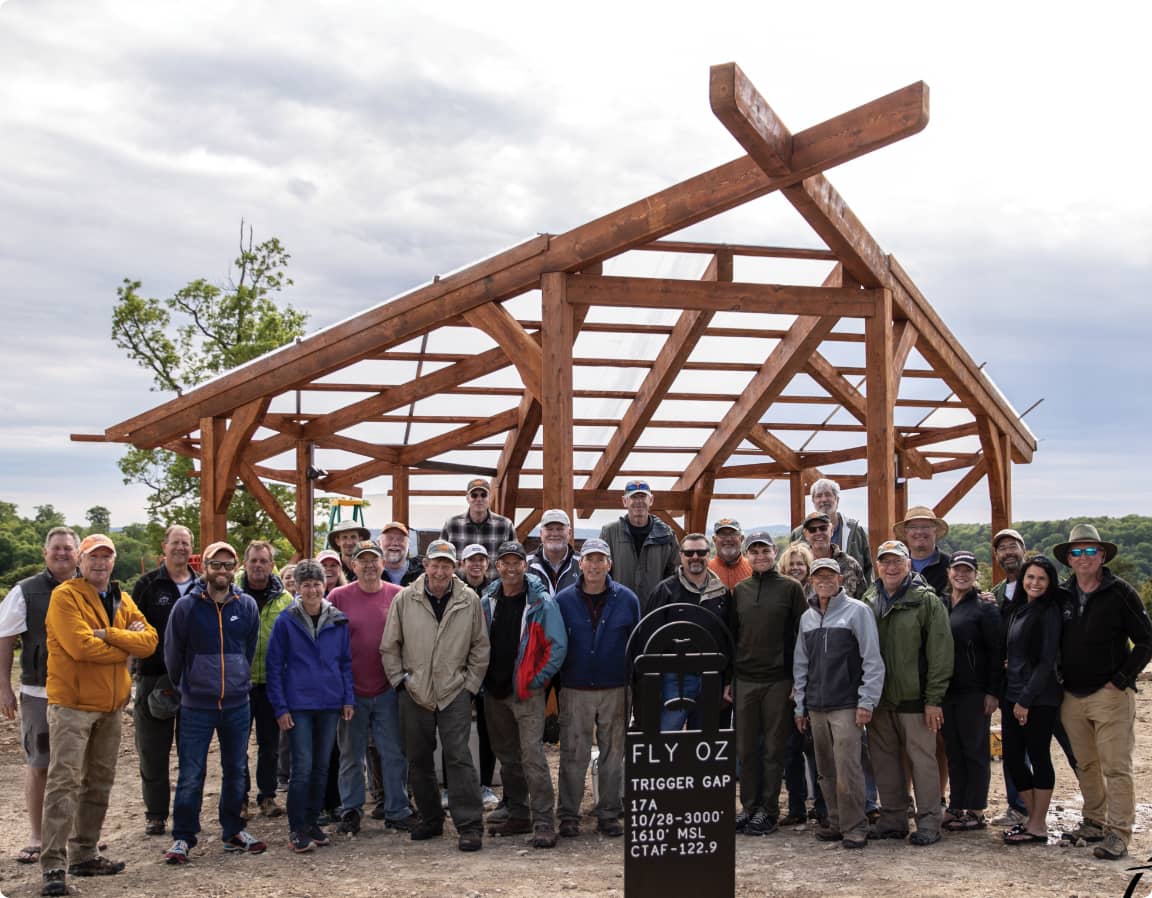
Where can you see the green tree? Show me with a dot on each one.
(203, 330)
(99, 519)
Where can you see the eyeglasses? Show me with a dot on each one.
(1090, 551)
(694, 553)
(222, 565)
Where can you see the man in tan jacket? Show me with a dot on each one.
(435, 653)
(93, 628)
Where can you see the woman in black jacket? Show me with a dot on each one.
(1032, 695)
(972, 695)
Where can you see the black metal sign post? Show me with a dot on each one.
(679, 787)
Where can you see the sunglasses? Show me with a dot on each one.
(222, 565)
(694, 553)
(1090, 551)
(819, 528)
(477, 494)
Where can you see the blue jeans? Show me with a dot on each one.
(672, 720)
(379, 715)
(313, 734)
(194, 736)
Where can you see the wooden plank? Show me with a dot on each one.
(776, 447)
(962, 488)
(696, 518)
(213, 504)
(401, 507)
(997, 462)
(272, 508)
(498, 323)
(245, 422)
(666, 517)
(778, 369)
(768, 299)
(933, 435)
(516, 447)
(755, 470)
(519, 269)
(797, 498)
(903, 342)
(556, 400)
(304, 499)
(530, 520)
(672, 500)
(881, 435)
(360, 447)
(738, 249)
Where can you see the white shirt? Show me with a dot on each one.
(13, 622)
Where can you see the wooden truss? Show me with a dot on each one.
(755, 375)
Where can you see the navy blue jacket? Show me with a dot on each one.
(208, 648)
(597, 658)
(310, 669)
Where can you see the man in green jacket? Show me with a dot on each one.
(916, 644)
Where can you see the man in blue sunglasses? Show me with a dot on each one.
(1102, 613)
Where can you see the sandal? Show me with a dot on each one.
(29, 855)
(1023, 837)
(966, 822)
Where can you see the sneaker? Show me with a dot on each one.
(760, 824)
(177, 854)
(349, 822)
(299, 842)
(155, 826)
(470, 841)
(1088, 830)
(510, 827)
(742, 819)
(404, 824)
(610, 827)
(269, 807)
(853, 844)
(54, 883)
(1112, 848)
(422, 831)
(96, 866)
(924, 837)
(489, 798)
(544, 836)
(793, 820)
(1010, 817)
(246, 842)
(317, 835)
(569, 829)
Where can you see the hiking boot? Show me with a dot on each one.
(610, 827)
(569, 829)
(54, 883)
(470, 841)
(349, 823)
(500, 814)
(379, 812)
(1112, 848)
(510, 827)
(424, 830)
(1088, 830)
(300, 843)
(96, 866)
(760, 824)
(177, 854)
(269, 807)
(924, 837)
(155, 826)
(543, 836)
(793, 820)
(855, 843)
(317, 835)
(404, 824)
(828, 834)
(1010, 817)
(875, 832)
(245, 842)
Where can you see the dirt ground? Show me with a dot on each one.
(383, 862)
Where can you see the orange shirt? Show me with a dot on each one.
(731, 575)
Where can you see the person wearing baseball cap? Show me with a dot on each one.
(916, 644)
(838, 677)
(847, 534)
(599, 615)
(644, 550)
(399, 567)
(817, 530)
(555, 562)
(435, 653)
(92, 628)
(479, 524)
(729, 563)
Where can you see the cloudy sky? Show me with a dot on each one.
(384, 143)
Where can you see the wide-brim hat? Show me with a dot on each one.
(345, 527)
(1084, 533)
(921, 513)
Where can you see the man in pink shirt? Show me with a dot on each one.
(366, 602)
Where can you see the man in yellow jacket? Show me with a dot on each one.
(93, 628)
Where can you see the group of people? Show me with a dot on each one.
(856, 674)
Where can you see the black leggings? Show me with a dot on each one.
(1034, 739)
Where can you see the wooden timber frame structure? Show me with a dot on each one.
(263, 421)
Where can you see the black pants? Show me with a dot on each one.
(154, 739)
(267, 744)
(966, 740)
(1034, 739)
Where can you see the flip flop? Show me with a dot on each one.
(29, 855)
(1025, 838)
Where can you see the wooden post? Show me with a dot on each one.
(556, 403)
(400, 495)
(798, 496)
(305, 495)
(213, 506)
(696, 517)
(881, 400)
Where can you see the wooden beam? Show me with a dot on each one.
(516, 447)
(498, 323)
(755, 470)
(401, 508)
(881, 435)
(759, 436)
(903, 342)
(666, 517)
(213, 504)
(360, 447)
(530, 520)
(997, 462)
(768, 299)
(272, 508)
(556, 400)
(304, 499)
(797, 498)
(961, 489)
(696, 518)
(933, 435)
(779, 368)
(739, 249)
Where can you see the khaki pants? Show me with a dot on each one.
(85, 746)
(584, 714)
(515, 730)
(892, 737)
(837, 741)
(1102, 730)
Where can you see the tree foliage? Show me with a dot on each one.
(199, 332)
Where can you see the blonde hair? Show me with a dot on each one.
(796, 548)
